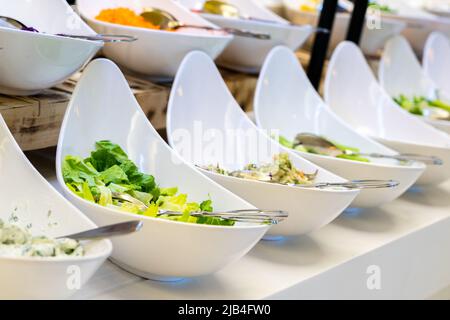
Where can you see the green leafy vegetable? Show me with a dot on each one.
(109, 171)
(418, 105)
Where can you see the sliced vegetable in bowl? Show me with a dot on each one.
(431, 108)
(281, 171)
(108, 174)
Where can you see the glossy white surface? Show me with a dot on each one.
(405, 239)
(436, 61)
(286, 101)
(373, 38)
(27, 199)
(245, 54)
(354, 94)
(103, 107)
(400, 72)
(156, 53)
(203, 117)
(419, 23)
(31, 62)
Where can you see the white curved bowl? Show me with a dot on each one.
(400, 72)
(156, 53)
(372, 41)
(436, 60)
(354, 94)
(245, 54)
(30, 198)
(299, 108)
(103, 107)
(203, 121)
(31, 62)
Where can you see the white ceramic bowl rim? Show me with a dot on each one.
(280, 185)
(47, 36)
(248, 22)
(156, 31)
(373, 163)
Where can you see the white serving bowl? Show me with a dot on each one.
(27, 199)
(400, 72)
(31, 62)
(103, 107)
(373, 38)
(354, 94)
(245, 54)
(419, 23)
(436, 61)
(206, 126)
(156, 53)
(286, 102)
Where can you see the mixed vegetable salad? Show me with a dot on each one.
(109, 178)
(337, 151)
(281, 171)
(419, 105)
(18, 242)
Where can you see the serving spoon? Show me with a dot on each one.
(114, 230)
(270, 217)
(12, 23)
(313, 140)
(166, 21)
(229, 10)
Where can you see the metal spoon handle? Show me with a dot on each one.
(247, 34)
(107, 38)
(114, 230)
(233, 31)
(409, 157)
(355, 184)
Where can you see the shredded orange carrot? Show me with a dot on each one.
(125, 16)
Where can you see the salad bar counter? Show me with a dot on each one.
(398, 251)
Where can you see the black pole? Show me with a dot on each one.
(321, 42)
(357, 21)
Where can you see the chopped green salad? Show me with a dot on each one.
(109, 178)
(435, 109)
(336, 150)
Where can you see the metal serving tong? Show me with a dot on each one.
(270, 217)
(314, 140)
(166, 21)
(114, 230)
(16, 24)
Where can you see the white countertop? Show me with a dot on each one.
(406, 242)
